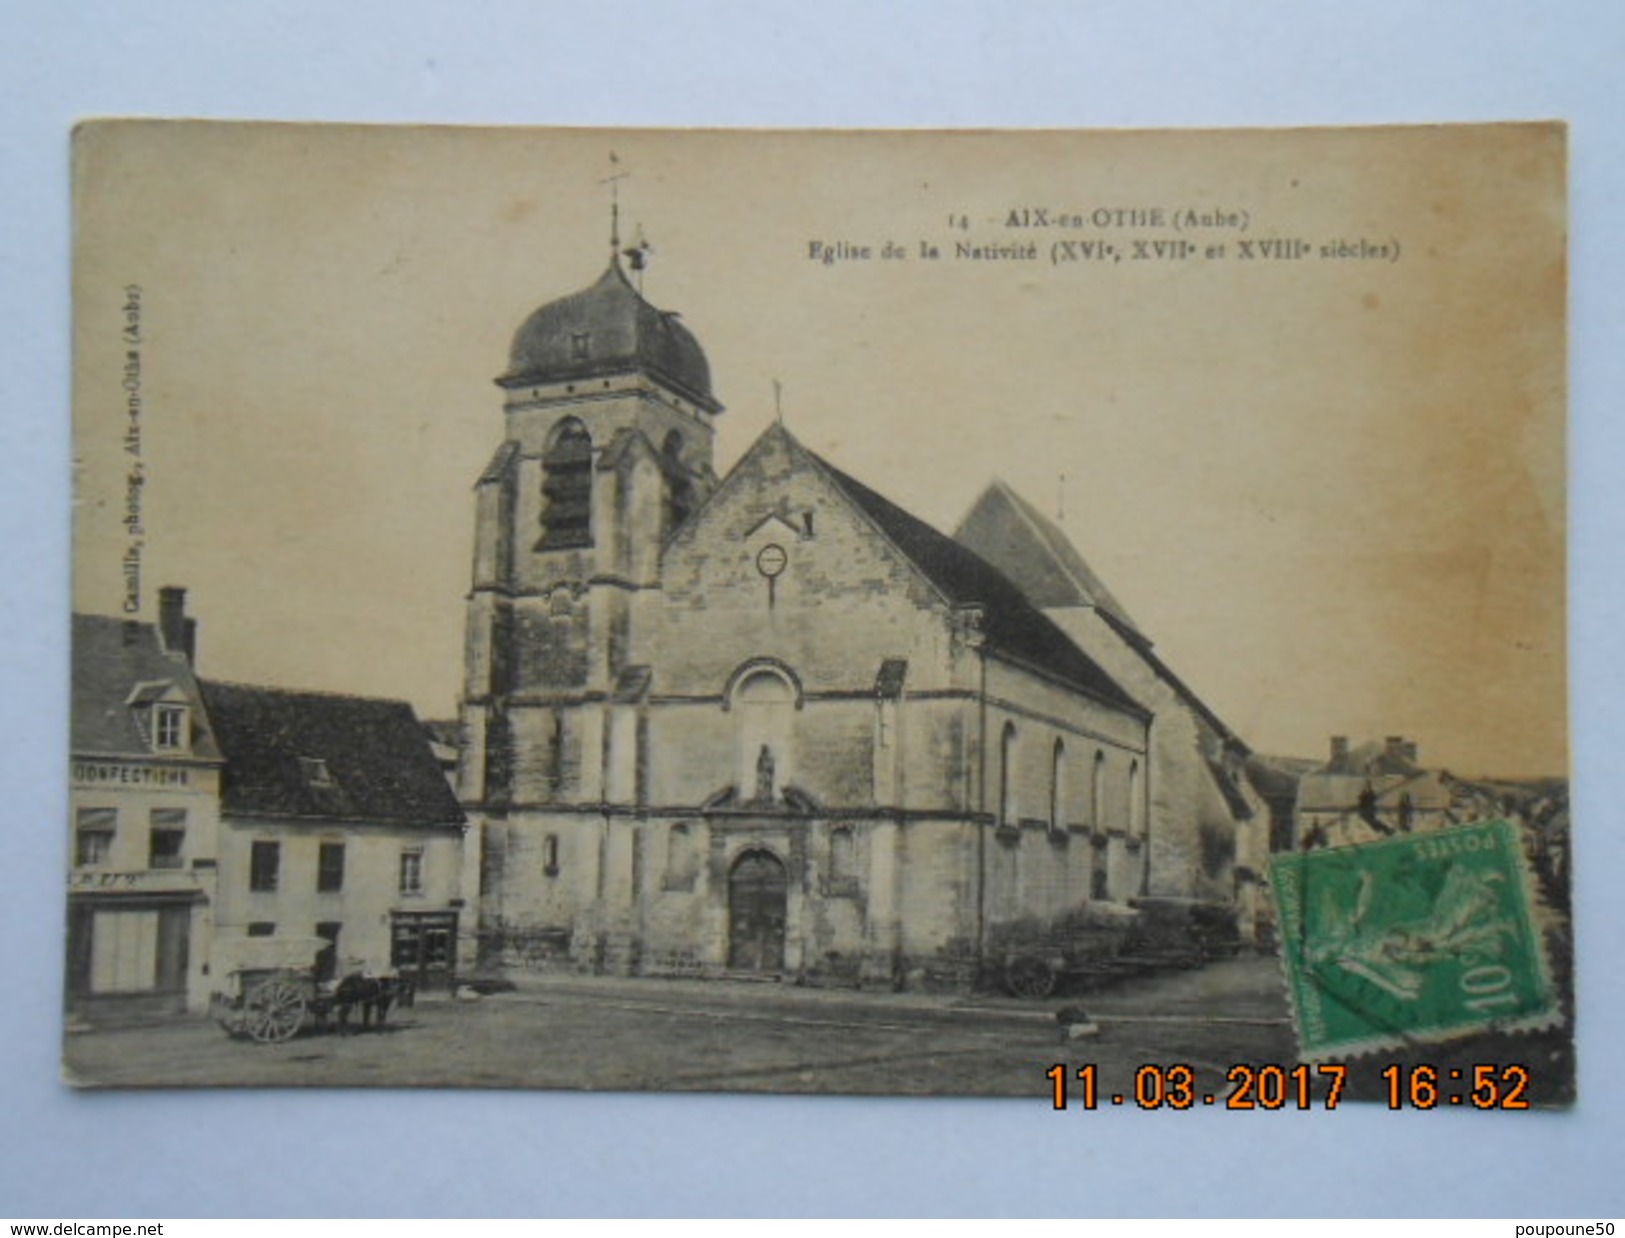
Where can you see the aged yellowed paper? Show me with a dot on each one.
(818, 611)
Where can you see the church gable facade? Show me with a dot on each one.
(773, 724)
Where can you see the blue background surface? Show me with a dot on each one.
(1147, 63)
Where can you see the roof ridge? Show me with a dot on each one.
(325, 693)
(1065, 550)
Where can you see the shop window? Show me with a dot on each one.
(93, 836)
(412, 871)
(330, 868)
(264, 866)
(167, 841)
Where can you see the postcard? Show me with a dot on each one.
(1066, 615)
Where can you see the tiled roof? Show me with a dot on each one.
(1276, 778)
(1055, 574)
(375, 762)
(1013, 625)
(112, 659)
(1163, 671)
(1042, 560)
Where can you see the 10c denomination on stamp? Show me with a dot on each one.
(1414, 939)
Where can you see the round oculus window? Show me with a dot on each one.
(771, 560)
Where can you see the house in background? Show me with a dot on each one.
(336, 821)
(1377, 789)
(144, 799)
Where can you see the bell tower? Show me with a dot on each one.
(609, 428)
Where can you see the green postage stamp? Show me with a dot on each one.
(1414, 939)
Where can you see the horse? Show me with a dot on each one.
(373, 994)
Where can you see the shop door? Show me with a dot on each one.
(423, 947)
(756, 908)
(174, 934)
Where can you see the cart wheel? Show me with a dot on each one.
(274, 1011)
(1030, 978)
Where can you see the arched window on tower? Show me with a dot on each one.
(679, 485)
(1057, 787)
(567, 487)
(1007, 790)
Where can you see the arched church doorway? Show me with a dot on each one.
(757, 891)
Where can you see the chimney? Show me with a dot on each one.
(1340, 749)
(179, 633)
(1394, 747)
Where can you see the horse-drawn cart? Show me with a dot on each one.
(1098, 943)
(269, 990)
(267, 985)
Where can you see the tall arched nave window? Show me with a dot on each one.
(1057, 787)
(1097, 792)
(1007, 790)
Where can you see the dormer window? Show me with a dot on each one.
(169, 727)
(580, 345)
(315, 772)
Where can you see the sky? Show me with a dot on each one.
(1329, 488)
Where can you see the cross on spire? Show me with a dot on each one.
(613, 181)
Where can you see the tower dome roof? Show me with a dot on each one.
(608, 329)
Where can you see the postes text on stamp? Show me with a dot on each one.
(1414, 939)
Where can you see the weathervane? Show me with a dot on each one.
(637, 255)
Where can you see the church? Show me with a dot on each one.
(772, 723)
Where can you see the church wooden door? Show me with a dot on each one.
(756, 906)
